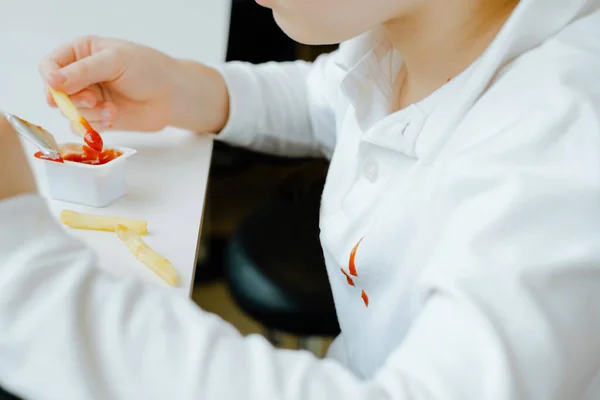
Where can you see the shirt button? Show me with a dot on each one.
(371, 171)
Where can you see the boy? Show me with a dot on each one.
(462, 208)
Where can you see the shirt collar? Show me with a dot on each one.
(368, 80)
(371, 66)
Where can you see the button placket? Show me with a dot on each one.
(398, 132)
(371, 171)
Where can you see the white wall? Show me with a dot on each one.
(29, 29)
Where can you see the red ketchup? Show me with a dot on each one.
(55, 158)
(83, 154)
(91, 138)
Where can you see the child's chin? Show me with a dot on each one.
(306, 33)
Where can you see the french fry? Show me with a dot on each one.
(157, 263)
(65, 105)
(78, 122)
(102, 223)
(78, 128)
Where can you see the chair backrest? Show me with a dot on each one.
(195, 29)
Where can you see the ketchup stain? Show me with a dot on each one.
(365, 298)
(352, 268)
(351, 265)
(349, 280)
(91, 138)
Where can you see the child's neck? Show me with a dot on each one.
(439, 40)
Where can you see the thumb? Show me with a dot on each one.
(106, 65)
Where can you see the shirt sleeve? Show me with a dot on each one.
(285, 109)
(510, 306)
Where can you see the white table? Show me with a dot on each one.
(167, 178)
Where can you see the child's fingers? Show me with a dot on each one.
(103, 115)
(104, 66)
(87, 98)
(79, 64)
(50, 99)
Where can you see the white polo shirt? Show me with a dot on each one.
(372, 155)
(461, 237)
(462, 194)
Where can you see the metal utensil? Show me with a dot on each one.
(37, 135)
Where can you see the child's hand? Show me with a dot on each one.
(126, 86)
(116, 84)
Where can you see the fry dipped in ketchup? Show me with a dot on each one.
(79, 123)
(91, 137)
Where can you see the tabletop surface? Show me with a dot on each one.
(166, 180)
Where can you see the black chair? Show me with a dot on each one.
(7, 396)
(275, 267)
(253, 37)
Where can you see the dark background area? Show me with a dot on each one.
(241, 181)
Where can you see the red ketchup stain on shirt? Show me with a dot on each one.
(84, 154)
(349, 280)
(352, 269)
(351, 265)
(365, 298)
(91, 138)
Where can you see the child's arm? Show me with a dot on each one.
(279, 108)
(282, 108)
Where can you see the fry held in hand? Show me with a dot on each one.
(157, 263)
(78, 122)
(102, 223)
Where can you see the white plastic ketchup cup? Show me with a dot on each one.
(90, 185)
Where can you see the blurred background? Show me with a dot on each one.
(260, 264)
